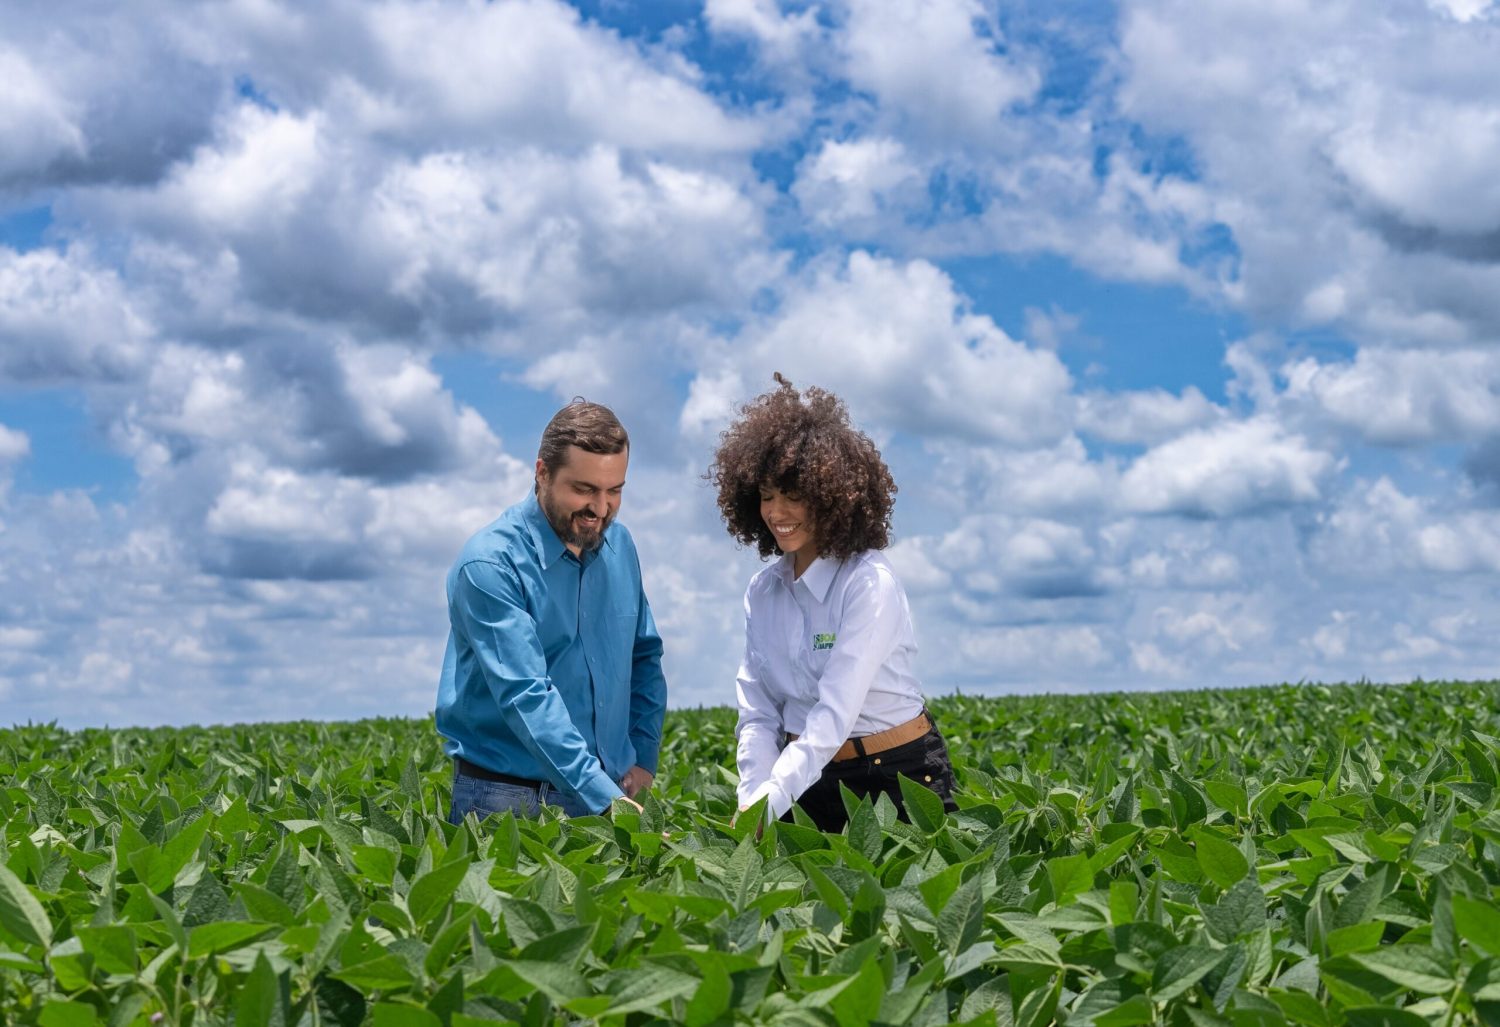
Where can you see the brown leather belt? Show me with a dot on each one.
(880, 741)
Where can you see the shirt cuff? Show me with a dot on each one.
(598, 792)
(777, 801)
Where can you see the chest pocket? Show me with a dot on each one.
(813, 659)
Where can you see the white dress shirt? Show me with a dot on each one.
(828, 656)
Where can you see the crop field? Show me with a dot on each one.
(1287, 855)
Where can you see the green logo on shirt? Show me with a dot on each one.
(822, 642)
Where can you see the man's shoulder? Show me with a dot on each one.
(505, 540)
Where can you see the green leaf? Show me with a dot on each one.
(1069, 876)
(225, 936)
(21, 915)
(261, 1001)
(1410, 966)
(1135, 1010)
(962, 919)
(58, 1013)
(1355, 938)
(1222, 862)
(113, 947)
(1179, 969)
(392, 1014)
(647, 988)
(559, 983)
(382, 973)
(565, 947)
(1478, 923)
(922, 805)
(712, 998)
(859, 1002)
(1039, 1006)
(1241, 910)
(1228, 796)
(1124, 901)
(430, 893)
(208, 903)
(1383, 1016)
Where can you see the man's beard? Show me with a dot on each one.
(567, 525)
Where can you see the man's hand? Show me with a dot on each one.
(636, 781)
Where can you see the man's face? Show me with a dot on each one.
(582, 496)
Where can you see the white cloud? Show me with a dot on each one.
(1378, 529)
(39, 125)
(850, 184)
(520, 248)
(1053, 480)
(1404, 397)
(531, 69)
(937, 66)
(1144, 417)
(782, 37)
(63, 317)
(1345, 146)
(1463, 10)
(14, 445)
(1234, 468)
(897, 342)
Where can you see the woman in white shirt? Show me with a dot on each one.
(827, 691)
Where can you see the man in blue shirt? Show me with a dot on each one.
(552, 689)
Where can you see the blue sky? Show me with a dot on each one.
(1177, 324)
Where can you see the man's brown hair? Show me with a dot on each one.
(589, 426)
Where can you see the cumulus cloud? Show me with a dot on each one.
(782, 36)
(1144, 417)
(65, 318)
(1379, 529)
(938, 66)
(118, 104)
(532, 69)
(1235, 468)
(521, 247)
(896, 340)
(14, 445)
(39, 120)
(1378, 128)
(849, 185)
(1402, 397)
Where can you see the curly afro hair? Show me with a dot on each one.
(803, 445)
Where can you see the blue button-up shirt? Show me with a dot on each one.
(553, 669)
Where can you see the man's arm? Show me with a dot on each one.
(488, 608)
(648, 692)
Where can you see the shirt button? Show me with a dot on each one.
(877, 760)
(927, 778)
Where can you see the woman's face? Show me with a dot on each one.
(791, 524)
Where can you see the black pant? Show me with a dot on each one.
(924, 760)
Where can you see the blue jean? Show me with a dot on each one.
(476, 795)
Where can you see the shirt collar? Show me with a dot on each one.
(547, 543)
(816, 579)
